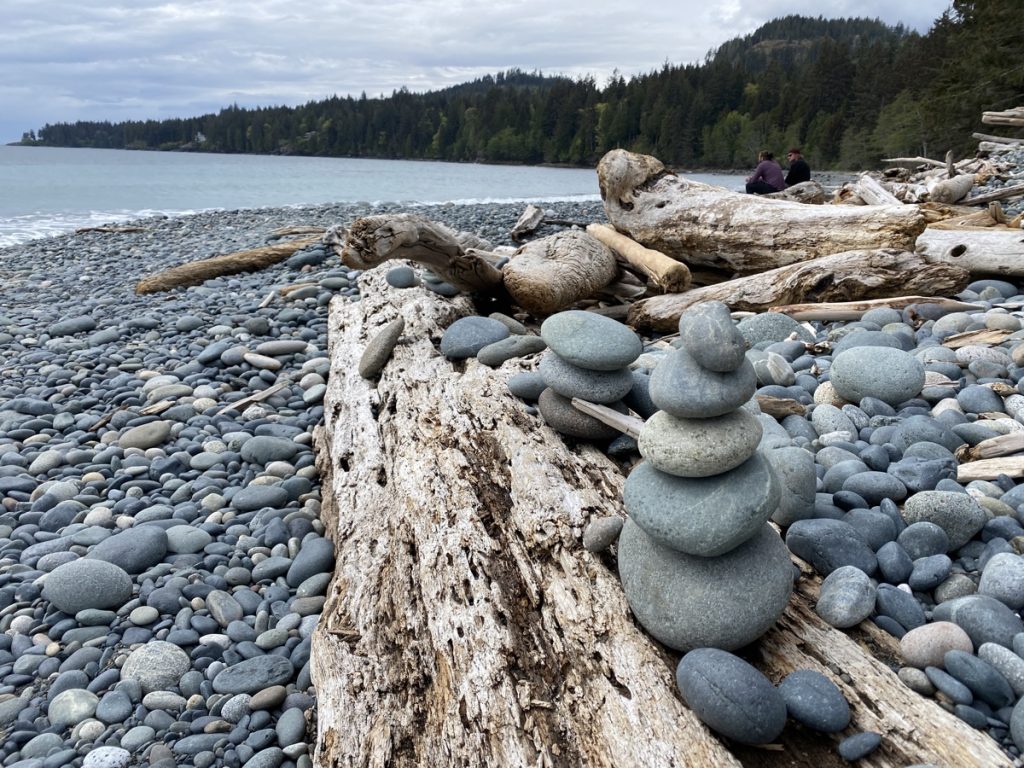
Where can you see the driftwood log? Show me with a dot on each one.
(870, 190)
(667, 274)
(846, 276)
(467, 626)
(808, 192)
(196, 272)
(982, 251)
(705, 225)
(854, 310)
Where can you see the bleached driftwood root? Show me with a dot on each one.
(839, 277)
(667, 274)
(196, 272)
(709, 226)
(467, 626)
(982, 251)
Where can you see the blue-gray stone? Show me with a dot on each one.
(706, 516)
(114, 707)
(517, 345)
(921, 429)
(875, 527)
(683, 388)
(771, 327)
(379, 348)
(874, 486)
(134, 549)
(591, 341)
(468, 335)
(687, 601)
(858, 746)
(890, 375)
(72, 325)
(984, 619)
(316, 555)
(846, 597)
(899, 606)
(402, 277)
(829, 544)
(730, 696)
(263, 449)
(639, 396)
(527, 386)
(978, 399)
(865, 338)
(921, 474)
(253, 675)
(794, 467)
(814, 700)
(711, 337)
(949, 685)
(571, 381)
(560, 414)
(1003, 579)
(982, 678)
(291, 727)
(923, 539)
(929, 572)
(254, 497)
(84, 583)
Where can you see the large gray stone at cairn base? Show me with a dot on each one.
(711, 337)
(705, 516)
(84, 583)
(699, 447)
(683, 388)
(590, 340)
(687, 602)
(890, 375)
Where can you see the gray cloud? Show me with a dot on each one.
(117, 60)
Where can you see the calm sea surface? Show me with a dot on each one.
(47, 191)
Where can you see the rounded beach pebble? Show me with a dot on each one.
(890, 375)
(378, 350)
(85, 583)
(570, 380)
(730, 696)
(468, 335)
(711, 337)
(699, 447)
(687, 601)
(561, 416)
(591, 341)
(846, 597)
(683, 388)
(926, 646)
(814, 700)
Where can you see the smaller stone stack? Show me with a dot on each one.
(588, 357)
(699, 563)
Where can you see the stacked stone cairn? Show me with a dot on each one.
(700, 565)
(588, 358)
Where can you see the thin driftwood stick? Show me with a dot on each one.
(245, 402)
(372, 240)
(996, 139)
(915, 160)
(854, 310)
(627, 425)
(1000, 194)
(990, 469)
(196, 272)
(985, 336)
(994, 447)
(668, 274)
(277, 234)
(846, 276)
(110, 229)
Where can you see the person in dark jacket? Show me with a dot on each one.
(767, 177)
(799, 170)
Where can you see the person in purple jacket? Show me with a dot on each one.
(767, 177)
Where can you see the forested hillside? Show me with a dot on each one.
(849, 91)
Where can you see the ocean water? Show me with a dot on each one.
(47, 191)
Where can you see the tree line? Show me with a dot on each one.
(849, 91)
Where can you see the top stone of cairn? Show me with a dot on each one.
(712, 338)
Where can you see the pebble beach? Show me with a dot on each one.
(162, 558)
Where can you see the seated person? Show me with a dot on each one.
(799, 170)
(767, 177)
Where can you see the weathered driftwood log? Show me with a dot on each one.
(196, 272)
(375, 239)
(552, 273)
(807, 192)
(838, 277)
(710, 226)
(987, 137)
(528, 222)
(983, 251)
(467, 626)
(854, 310)
(667, 274)
(1014, 117)
(868, 189)
(1017, 190)
(951, 190)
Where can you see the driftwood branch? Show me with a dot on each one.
(709, 226)
(996, 139)
(466, 624)
(990, 469)
(1014, 117)
(528, 222)
(373, 240)
(196, 272)
(868, 189)
(854, 310)
(667, 274)
(111, 229)
(986, 251)
(847, 276)
(1017, 190)
(994, 447)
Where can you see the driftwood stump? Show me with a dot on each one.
(467, 626)
(704, 225)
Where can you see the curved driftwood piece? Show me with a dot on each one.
(529, 220)
(807, 192)
(667, 274)
(854, 310)
(372, 240)
(196, 272)
(982, 251)
(467, 626)
(846, 276)
(951, 190)
(554, 272)
(705, 225)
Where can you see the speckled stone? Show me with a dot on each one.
(890, 375)
(699, 447)
(378, 350)
(959, 515)
(814, 700)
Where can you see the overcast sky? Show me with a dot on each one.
(67, 60)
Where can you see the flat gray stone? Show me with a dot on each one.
(814, 700)
(315, 556)
(730, 696)
(707, 516)
(527, 385)
(846, 597)
(687, 601)
(888, 374)
(601, 533)
(468, 335)
(794, 467)
(514, 346)
(830, 544)
(134, 549)
(699, 447)
(69, 708)
(591, 341)
(1003, 579)
(85, 583)
(253, 675)
(683, 388)
(711, 337)
(145, 435)
(378, 350)
(771, 326)
(571, 381)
